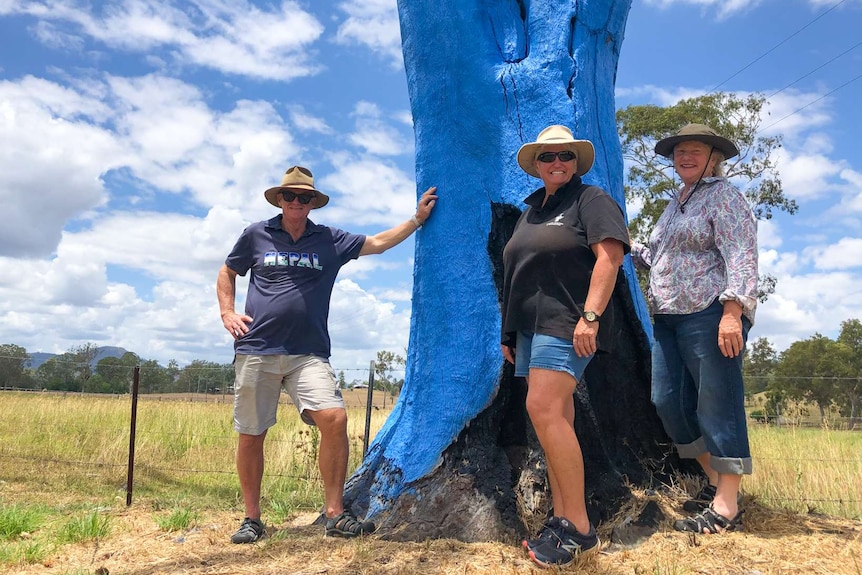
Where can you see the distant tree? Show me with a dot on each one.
(342, 382)
(850, 389)
(651, 181)
(155, 378)
(117, 373)
(14, 361)
(85, 358)
(811, 369)
(758, 365)
(202, 376)
(385, 366)
(59, 373)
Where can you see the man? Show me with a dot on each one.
(282, 340)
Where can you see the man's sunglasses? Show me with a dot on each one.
(548, 157)
(290, 196)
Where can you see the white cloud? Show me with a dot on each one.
(374, 24)
(374, 135)
(768, 235)
(306, 122)
(53, 153)
(806, 177)
(360, 324)
(805, 304)
(724, 8)
(371, 192)
(231, 37)
(846, 253)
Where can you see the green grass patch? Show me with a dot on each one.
(89, 526)
(18, 520)
(177, 520)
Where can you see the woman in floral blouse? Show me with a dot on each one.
(702, 257)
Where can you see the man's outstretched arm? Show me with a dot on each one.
(379, 243)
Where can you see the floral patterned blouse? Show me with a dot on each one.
(705, 250)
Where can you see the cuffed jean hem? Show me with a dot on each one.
(731, 465)
(692, 450)
(728, 465)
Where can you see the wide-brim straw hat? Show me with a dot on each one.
(557, 135)
(700, 133)
(299, 179)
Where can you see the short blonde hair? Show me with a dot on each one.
(718, 169)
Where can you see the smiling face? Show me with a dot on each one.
(295, 211)
(692, 160)
(556, 173)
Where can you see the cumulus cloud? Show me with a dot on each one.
(377, 136)
(232, 37)
(373, 24)
(723, 8)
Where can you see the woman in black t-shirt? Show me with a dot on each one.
(560, 268)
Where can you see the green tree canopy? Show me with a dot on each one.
(59, 373)
(811, 370)
(385, 368)
(758, 365)
(850, 389)
(14, 361)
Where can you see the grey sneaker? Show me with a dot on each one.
(564, 546)
(544, 534)
(250, 531)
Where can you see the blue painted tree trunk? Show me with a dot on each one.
(457, 456)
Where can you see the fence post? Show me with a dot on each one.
(136, 380)
(368, 408)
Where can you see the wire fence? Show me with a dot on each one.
(218, 449)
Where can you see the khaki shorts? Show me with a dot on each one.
(308, 379)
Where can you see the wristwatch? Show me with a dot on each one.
(591, 316)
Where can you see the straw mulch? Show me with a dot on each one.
(773, 542)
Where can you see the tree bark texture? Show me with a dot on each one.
(458, 457)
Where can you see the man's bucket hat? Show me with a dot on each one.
(299, 179)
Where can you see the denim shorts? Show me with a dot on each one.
(547, 352)
(308, 379)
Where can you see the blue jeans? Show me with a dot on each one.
(547, 352)
(698, 392)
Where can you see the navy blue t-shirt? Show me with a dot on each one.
(290, 286)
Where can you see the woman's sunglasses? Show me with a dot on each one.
(548, 157)
(290, 196)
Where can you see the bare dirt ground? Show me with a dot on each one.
(773, 543)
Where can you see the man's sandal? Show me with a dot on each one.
(709, 521)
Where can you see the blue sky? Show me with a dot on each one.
(137, 138)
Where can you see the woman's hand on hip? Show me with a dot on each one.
(584, 338)
(730, 340)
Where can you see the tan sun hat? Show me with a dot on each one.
(299, 179)
(556, 135)
(699, 133)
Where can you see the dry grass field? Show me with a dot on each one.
(65, 457)
(774, 543)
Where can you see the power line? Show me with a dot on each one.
(814, 70)
(810, 103)
(776, 46)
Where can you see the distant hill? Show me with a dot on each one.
(38, 358)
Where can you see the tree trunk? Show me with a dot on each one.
(458, 457)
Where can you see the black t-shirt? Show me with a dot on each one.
(548, 261)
